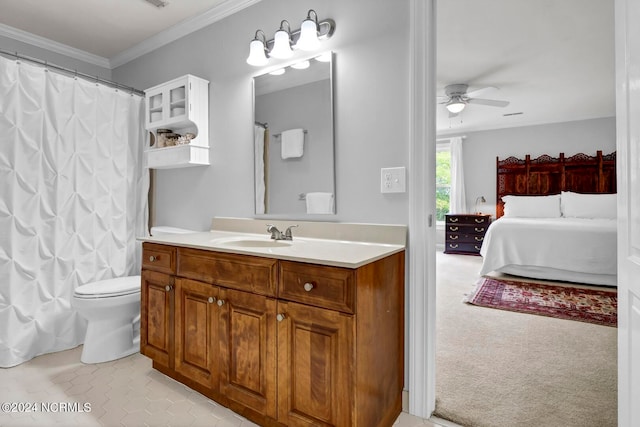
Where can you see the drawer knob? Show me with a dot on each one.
(479, 220)
(453, 237)
(220, 302)
(477, 248)
(453, 246)
(453, 219)
(153, 258)
(280, 317)
(168, 288)
(211, 300)
(453, 228)
(479, 239)
(308, 286)
(479, 229)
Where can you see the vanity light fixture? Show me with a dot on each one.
(302, 65)
(278, 72)
(325, 57)
(307, 38)
(282, 42)
(258, 50)
(309, 30)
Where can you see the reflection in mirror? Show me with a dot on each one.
(294, 152)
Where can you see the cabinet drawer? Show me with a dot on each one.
(467, 229)
(243, 272)
(470, 248)
(160, 258)
(464, 238)
(321, 286)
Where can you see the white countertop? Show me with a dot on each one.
(338, 253)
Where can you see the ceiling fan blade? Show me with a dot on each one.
(480, 91)
(488, 102)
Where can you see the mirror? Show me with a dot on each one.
(293, 139)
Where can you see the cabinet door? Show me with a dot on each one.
(315, 366)
(196, 332)
(248, 350)
(156, 317)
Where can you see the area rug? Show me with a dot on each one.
(562, 302)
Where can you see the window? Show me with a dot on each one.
(443, 180)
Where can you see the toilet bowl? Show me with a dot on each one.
(112, 310)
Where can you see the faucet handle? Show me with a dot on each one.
(287, 233)
(275, 233)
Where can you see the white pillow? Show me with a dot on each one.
(532, 206)
(577, 205)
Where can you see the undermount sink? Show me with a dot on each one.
(252, 242)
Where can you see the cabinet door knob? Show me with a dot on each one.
(220, 302)
(168, 288)
(280, 317)
(211, 300)
(308, 286)
(153, 258)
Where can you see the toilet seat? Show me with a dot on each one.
(109, 288)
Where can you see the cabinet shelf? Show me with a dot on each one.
(181, 105)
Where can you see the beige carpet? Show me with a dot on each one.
(498, 368)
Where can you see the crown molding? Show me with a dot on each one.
(181, 29)
(53, 46)
(188, 26)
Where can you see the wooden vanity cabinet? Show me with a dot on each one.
(282, 343)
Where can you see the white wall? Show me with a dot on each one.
(481, 149)
(371, 96)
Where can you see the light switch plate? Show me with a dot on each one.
(393, 180)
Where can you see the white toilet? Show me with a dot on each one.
(112, 310)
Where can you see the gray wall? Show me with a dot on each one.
(371, 108)
(54, 58)
(313, 171)
(481, 148)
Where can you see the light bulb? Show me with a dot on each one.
(308, 36)
(281, 45)
(301, 65)
(257, 56)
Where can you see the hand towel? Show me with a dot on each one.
(292, 143)
(319, 203)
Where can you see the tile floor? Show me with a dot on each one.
(125, 392)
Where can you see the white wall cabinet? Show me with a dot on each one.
(181, 105)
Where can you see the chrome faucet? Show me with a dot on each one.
(279, 235)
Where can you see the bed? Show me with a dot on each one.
(556, 219)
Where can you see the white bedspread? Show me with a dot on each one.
(560, 245)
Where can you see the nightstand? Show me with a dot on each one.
(464, 233)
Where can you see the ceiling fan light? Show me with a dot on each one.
(455, 106)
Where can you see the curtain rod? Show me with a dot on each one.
(448, 138)
(74, 73)
(264, 125)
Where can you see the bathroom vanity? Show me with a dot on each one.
(285, 333)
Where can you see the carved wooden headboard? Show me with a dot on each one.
(549, 175)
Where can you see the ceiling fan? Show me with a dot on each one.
(457, 98)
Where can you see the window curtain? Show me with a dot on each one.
(73, 200)
(457, 197)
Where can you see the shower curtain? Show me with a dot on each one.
(72, 201)
(259, 133)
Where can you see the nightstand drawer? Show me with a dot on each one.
(464, 233)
